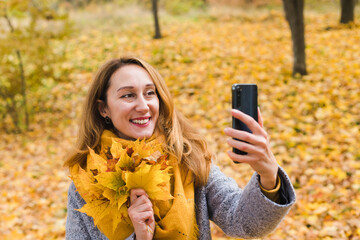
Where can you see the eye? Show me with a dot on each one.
(150, 92)
(129, 95)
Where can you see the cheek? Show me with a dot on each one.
(119, 110)
(156, 107)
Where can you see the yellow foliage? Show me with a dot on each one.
(94, 161)
(151, 179)
(106, 184)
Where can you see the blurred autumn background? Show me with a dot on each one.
(308, 94)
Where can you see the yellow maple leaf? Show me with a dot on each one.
(116, 149)
(118, 215)
(84, 182)
(115, 189)
(112, 180)
(124, 161)
(96, 209)
(118, 198)
(152, 179)
(148, 151)
(153, 158)
(116, 224)
(101, 211)
(95, 161)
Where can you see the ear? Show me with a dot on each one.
(102, 108)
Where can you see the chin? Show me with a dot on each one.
(146, 136)
(142, 136)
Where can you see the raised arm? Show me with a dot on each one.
(247, 212)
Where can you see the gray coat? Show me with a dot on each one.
(245, 213)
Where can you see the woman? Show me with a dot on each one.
(129, 100)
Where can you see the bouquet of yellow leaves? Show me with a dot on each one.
(106, 182)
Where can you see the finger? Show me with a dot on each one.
(260, 119)
(238, 134)
(146, 216)
(142, 206)
(151, 219)
(244, 146)
(241, 158)
(136, 193)
(246, 137)
(142, 217)
(248, 121)
(142, 200)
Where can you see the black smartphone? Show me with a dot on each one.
(245, 99)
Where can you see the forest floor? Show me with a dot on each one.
(313, 121)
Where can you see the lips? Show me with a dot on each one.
(141, 121)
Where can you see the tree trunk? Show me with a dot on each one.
(294, 12)
(156, 19)
(23, 88)
(22, 77)
(347, 11)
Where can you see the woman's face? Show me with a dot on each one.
(132, 103)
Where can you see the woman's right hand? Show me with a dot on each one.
(141, 214)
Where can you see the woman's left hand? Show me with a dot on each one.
(259, 156)
(141, 214)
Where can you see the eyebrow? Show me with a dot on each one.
(131, 87)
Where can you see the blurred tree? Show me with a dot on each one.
(28, 57)
(294, 12)
(156, 18)
(347, 11)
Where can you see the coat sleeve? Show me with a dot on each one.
(246, 213)
(79, 226)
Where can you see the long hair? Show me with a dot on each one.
(182, 140)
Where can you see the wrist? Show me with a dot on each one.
(269, 182)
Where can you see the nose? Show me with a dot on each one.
(142, 105)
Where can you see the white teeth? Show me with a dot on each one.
(141, 121)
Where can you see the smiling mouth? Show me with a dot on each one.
(141, 121)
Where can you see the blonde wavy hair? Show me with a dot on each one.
(182, 140)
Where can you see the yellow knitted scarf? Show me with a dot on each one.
(177, 216)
